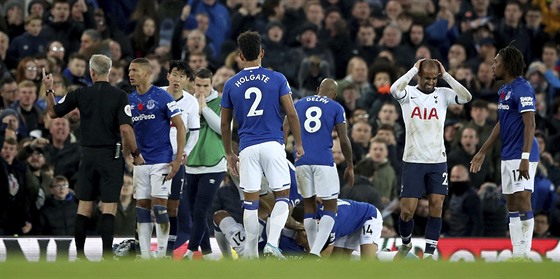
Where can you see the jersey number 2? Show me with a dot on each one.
(253, 111)
(312, 116)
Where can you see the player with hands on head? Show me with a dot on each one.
(152, 110)
(424, 170)
(255, 96)
(520, 151)
(105, 119)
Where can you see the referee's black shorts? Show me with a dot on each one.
(100, 175)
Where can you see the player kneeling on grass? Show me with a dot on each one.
(357, 224)
(293, 238)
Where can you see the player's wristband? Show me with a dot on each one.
(525, 155)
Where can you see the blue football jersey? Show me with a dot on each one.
(515, 98)
(351, 216)
(318, 116)
(254, 95)
(151, 115)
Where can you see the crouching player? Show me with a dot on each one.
(357, 225)
(230, 231)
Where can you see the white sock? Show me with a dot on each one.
(162, 234)
(233, 232)
(277, 220)
(325, 227)
(310, 225)
(386, 256)
(145, 238)
(223, 244)
(189, 254)
(527, 235)
(251, 225)
(516, 236)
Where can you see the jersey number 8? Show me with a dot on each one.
(312, 122)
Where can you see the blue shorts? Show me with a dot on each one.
(419, 179)
(177, 184)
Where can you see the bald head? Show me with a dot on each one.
(459, 173)
(328, 87)
(429, 65)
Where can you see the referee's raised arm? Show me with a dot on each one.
(48, 82)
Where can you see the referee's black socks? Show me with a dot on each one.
(80, 233)
(107, 233)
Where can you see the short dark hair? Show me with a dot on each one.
(478, 103)
(386, 127)
(141, 61)
(181, 66)
(78, 56)
(250, 45)
(427, 63)
(6, 80)
(512, 59)
(203, 73)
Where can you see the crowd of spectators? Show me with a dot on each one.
(364, 44)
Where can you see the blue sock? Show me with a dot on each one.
(405, 230)
(433, 229)
(172, 235)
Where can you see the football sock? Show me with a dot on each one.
(162, 229)
(278, 218)
(223, 243)
(107, 232)
(172, 235)
(527, 225)
(515, 234)
(80, 229)
(189, 254)
(144, 229)
(251, 225)
(433, 229)
(405, 230)
(232, 231)
(310, 225)
(325, 227)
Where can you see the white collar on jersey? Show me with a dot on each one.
(251, 68)
(213, 95)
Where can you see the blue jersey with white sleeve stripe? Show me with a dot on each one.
(151, 115)
(254, 95)
(515, 98)
(318, 115)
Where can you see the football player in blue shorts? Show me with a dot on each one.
(424, 170)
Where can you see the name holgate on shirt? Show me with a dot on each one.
(262, 77)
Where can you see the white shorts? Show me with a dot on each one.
(316, 180)
(510, 176)
(149, 181)
(268, 158)
(369, 233)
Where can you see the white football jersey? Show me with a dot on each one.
(189, 113)
(424, 119)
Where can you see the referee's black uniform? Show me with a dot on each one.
(103, 108)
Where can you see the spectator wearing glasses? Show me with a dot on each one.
(58, 213)
(26, 70)
(56, 50)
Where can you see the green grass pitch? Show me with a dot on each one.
(275, 269)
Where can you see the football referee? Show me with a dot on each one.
(104, 118)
